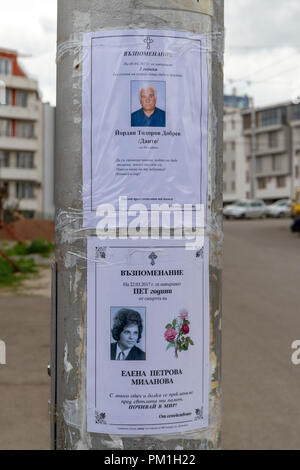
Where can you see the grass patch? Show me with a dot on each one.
(41, 247)
(8, 274)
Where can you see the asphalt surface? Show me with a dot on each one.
(261, 318)
(24, 382)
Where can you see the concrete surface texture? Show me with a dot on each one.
(261, 392)
(261, 300)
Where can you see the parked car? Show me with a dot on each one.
(245, 209)
(281, 208)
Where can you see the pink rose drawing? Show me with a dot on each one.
(177, 331)
(170, 334)
(185, 329)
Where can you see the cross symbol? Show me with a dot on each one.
(148, 41)
(153, 257)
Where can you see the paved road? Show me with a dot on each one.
(261, 307)
(24, 383)
(261, 387)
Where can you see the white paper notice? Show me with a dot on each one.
(145, 117)
(148, 337)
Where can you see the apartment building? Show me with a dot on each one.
(294, 120)
(273, 149)
(236, 178)
(21, 137)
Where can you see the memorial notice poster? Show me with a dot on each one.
(145, 117)
(148, 337)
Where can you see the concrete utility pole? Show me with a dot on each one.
(68, 364)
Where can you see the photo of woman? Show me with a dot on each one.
(127, 330)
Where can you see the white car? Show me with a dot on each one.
(245, 209)
(281, 208)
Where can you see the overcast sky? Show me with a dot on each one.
(262, 55)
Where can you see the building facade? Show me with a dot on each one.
(273, 150)
(261, 157)
(49, 121)
(236, 178)
(21, 138)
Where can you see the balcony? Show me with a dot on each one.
(266, 150)
(20, 174)
(272, 173)
(19, 83)
(19, 144)
(31, 113)
(261, 129)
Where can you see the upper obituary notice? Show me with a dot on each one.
(145, 117)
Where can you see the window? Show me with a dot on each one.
(6, 96)
(247, 121)
(25, 130)
(297, 171)
(5, 67)
(262, 183)
(233, 125)
(247, 177)
(233, 166)
(296, 112)
(25, 190)
(280, 182)
(270, 117)
(224, 187)
(233, 186)
(5, 128)
(21, 99)
(259, 166)
(273, 139)
(233, 146)
(4, 159)
(276, 163)
(25, 160)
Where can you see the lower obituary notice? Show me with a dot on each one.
(147, 337)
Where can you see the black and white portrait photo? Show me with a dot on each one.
(128, 334)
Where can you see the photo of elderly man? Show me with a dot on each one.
(149, 115)
(127, 331)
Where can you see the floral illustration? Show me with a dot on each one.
(177, 331)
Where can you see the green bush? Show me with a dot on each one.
(41, 246)
(20, 248)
